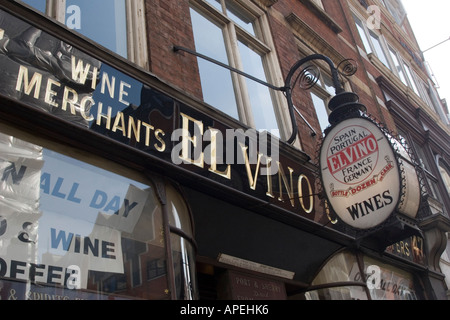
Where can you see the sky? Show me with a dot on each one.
(430, 22)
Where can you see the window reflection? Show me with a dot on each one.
(260, 99)
(342, 279)
(102, 21)
(217, 86)
(72, 230)
(105, 24)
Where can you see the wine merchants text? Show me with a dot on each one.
(214, 150)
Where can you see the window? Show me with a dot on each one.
(341, 268)
(371, 41)
(431, 182)
(396, 9)
(403, 71)
(321, 95)
(238, 36)
(363, 35)
(379, 51)
(75, 226)
(106, 22)
(411, 79)
(342, 278)
(444, 169)
(386, 282)
(398, 69)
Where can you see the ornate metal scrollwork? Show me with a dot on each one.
(347, 67)
(308, 77)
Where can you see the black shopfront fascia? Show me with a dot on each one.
(285, 227)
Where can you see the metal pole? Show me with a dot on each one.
(436, 45)
(287, 89)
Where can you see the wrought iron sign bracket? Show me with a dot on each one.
(307, 78)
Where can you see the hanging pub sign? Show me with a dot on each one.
(367, 175)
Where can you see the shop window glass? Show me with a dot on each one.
(184, 268)
(72, 229)
(386, 282)
(343, 267)
(183, 253)
(178, 215)
(337, 293)
(342, 279)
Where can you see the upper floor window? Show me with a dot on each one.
(321, 95)
(108, 23)
(426, 166)
(444, 170)
(398, 69)
(372, 42)
(396, 9)
(238, 36)
(410, 78)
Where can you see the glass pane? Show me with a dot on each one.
(72, 230)
(101, 21)
(37, 4)
(328, 85)
(239, 18)
(321, 111)
(342, 267)
(179, 215)
(216, 4)
(184, 268)
(217, 85)
(411, 79)
(363, 36)
(398, 67)
(386, 282)
(260, 98)
(339, 293)
(379, 49)
(445, 174)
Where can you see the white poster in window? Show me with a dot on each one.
(20, 173)
(127, 216)
(46, 248)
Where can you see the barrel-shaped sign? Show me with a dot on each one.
(360, 173)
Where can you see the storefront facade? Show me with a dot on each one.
(118, 185)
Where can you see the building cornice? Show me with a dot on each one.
(322, 15)
(312, 38)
